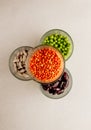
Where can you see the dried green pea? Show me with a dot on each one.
(51, 36)
(56, 45)
(59, 39)
(51, 44)
(55, 38)
(66, 48)
(51, 40)
(60, 42)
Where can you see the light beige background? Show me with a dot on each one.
(22, 105)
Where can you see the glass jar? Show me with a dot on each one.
(17, 62)
(60, 40)
(60, 88)
(45, 64)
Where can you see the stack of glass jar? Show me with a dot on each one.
(45, 63)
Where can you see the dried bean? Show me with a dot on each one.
(59, 86)
(24, 58)
(25, 52)
(25, 75)
(19, 63)
(55, 85)
(15, 60)
(21, 58)
(60, 92)
(18, 54)
(22, 71)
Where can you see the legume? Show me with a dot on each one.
(59, 86)
(46, 64)
(18, 63)
(58, 41)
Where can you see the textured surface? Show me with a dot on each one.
(22, 105)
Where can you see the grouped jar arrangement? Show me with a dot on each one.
(45, 63)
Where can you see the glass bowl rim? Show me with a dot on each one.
(30, 53)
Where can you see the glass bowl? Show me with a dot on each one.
(17, 62)
(60, 88)
(45, 64)
(60, 40)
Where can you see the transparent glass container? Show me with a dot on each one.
(60, 40)
(39, 65)
(17, 62)
(52, 90)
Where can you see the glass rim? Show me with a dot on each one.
(31, 53)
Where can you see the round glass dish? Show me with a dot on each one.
(60, 40)
(17, 62)
(60, 88)
(45, 64)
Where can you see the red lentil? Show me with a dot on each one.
(46, 64)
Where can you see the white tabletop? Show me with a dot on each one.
(22, 105)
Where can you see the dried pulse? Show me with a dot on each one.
(46, 64)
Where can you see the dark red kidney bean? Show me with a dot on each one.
(67, 83)
(55, 85)
(50, 90)
(66, 77)
(54, 92)
(44, 87)
(62, 85)
(51, 84)
(59, 86)
(60, 92)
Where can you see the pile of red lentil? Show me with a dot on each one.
(46, 64)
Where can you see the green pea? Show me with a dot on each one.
(47, 41)
(65, 43)
(58, 42)
(46, 38)
(56, 45)
(59, 39)
(61, 45)
(66, 39)
(60, 36)
(51, 40)
(62, 40)
(51, 44)
(59, 48)
(51, 36)
(66, 49)
(54, 42)
(62, 49)
(55, 38)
